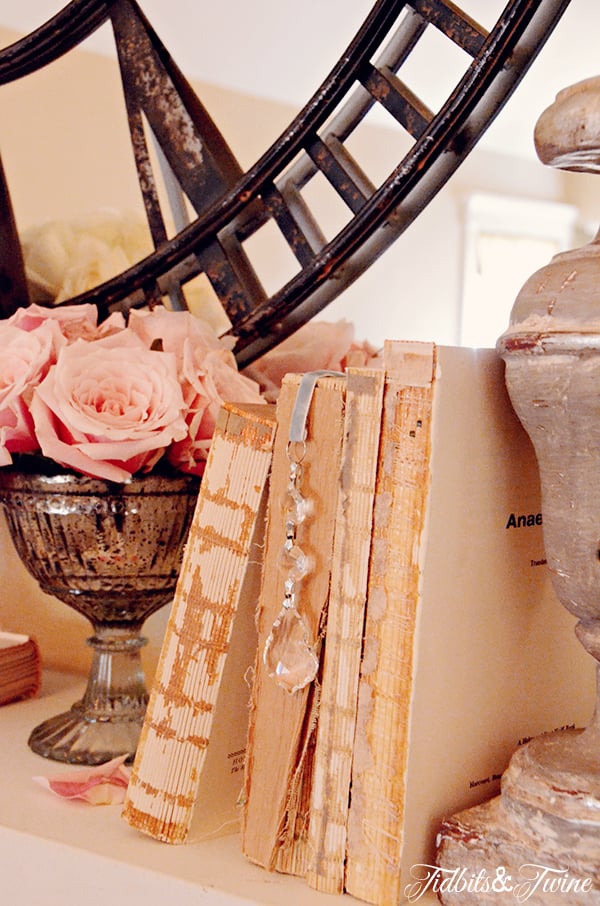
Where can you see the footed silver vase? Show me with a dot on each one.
(113, 553)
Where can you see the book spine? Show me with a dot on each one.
(345, 627)
(376, 814)
(176, 732)
(279, 724)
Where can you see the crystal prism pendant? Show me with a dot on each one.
(288, 655)
(295, 507)
(293, 562)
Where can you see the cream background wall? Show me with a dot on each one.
(65, 149)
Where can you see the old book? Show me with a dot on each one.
(188, 770)
(332, 761)
(467, 652)
(381, 747)
(280, 740)
(20, 667)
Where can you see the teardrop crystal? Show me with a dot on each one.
(288, 656)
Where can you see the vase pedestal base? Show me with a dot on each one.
(538, 842)
(78, 737)
(108, 720)
(75, 737)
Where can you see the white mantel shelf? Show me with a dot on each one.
(62, 853)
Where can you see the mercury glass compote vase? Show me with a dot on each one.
(113, 553)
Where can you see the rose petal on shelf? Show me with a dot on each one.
(104, 784)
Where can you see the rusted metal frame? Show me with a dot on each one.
(148, 188)
(453, 22)
(145, 173)
(14, 292)
(349, 165)
(54, 38)
(473, 105)
(313, 288)
(356, 106)
(222, 160)
(397, 98)
(232, 276)
(341, 125)
(349, 189)
(195, 150)
(303, 216)
(289, 225)
(231, 207)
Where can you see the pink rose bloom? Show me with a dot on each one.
(25, 357)
(314, 346)
(75, 321)
(175, 330)
(207, 372)
(208, 379)
(109, 408)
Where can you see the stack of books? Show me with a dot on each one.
(441, 646)
(20, 667)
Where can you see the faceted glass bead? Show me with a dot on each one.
(288, 655)
(295, 507)
(293, 562)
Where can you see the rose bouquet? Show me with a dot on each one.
(111, 400)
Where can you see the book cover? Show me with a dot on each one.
(188, 768)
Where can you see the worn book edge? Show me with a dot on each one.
(376, 817)
(344, 635)
(177, 730)
(20, 667)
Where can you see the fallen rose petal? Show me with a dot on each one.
(104, 784)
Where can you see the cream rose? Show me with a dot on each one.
(110, 407)
(65, 258)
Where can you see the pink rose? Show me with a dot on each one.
(109, 408)
(25, 357)
(207, 379)
(74, 321)
(314, 346)
(174, 330)
(207, 372)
